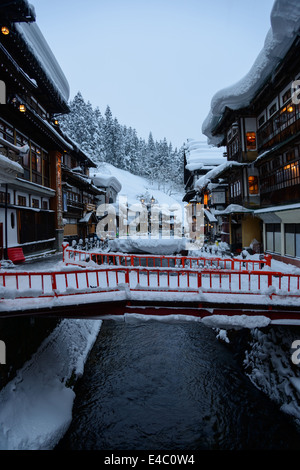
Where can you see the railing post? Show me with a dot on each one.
(269, 279)
(199, 280)
(268, 259)
(53, 282)
(127, 277)
(64, 247)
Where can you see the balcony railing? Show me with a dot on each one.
(283, 124)
(76, 204)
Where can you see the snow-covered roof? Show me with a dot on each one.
(210, 216)
(39, 47)
(204, 180)
(234, 209)
(86, 217)
(105, 181)
(285, 23)
(200, 155)
(286, 207)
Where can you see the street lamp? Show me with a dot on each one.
(4, 30)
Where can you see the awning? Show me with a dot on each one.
(87, 217)
(211, 218)
(285, 207)
(234, 209)
(287, 213)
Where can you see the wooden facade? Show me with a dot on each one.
(264, 138)
(33, 150)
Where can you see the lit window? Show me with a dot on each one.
(253, 184)
(251, 140)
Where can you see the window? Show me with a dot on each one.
(46, 172)
(261, 121)
(272, 109)
(235, 189)
(36, 164)
(276, 162)
(286, 96)
(289, 156)
(253, 184)
(251, 140)
(21, 200)
(45, 205)
(2, 197)
(273, 237)
(35, 203)
(12, 220)
(292, 239)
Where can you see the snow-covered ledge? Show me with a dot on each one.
(8, 166)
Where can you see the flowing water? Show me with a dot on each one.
(152, 385)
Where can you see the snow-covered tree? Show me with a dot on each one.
(104, 139)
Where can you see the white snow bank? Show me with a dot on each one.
(285, 23)
(36, 406)
(236, 322)
(134, 187)
(161, 246)
(269, 365)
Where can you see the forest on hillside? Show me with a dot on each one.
(104, 139)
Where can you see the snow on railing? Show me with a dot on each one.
(16, 285)
(82, 258)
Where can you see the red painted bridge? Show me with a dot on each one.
(114, 284)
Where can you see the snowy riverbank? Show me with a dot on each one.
(36, 406)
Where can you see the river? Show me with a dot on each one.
(153, 385)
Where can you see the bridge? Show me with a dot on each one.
(114, 284)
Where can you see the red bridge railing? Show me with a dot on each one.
(16, 285)
(81, 258)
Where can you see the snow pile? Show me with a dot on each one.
(236, 322)
(285, 23)
(36, 406)
(161, 246)
(270, 366)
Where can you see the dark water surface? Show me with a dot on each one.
(151, 385)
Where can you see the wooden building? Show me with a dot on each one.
(200, 160)
(262, 136)
(33, 150)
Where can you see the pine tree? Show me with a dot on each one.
(105, 140)
(108, 135)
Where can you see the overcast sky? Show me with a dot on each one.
(156, 63)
